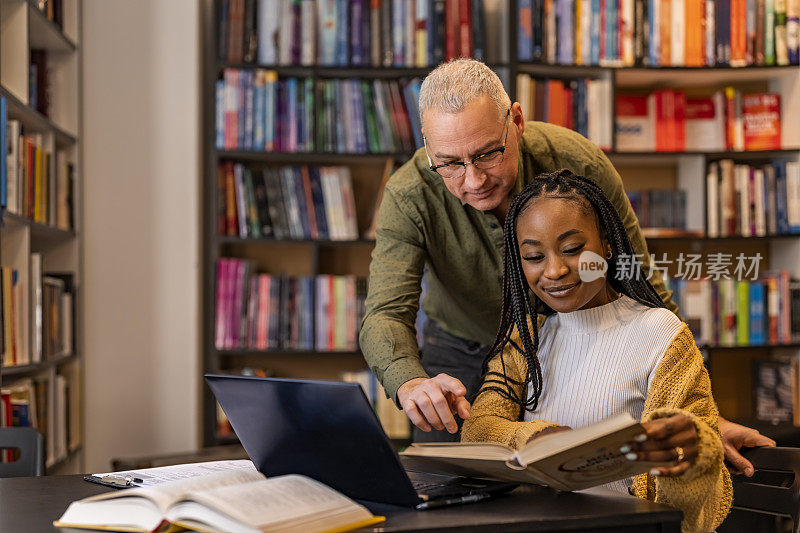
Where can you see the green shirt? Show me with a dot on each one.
(420, 223)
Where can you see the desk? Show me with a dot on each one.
(31, 505)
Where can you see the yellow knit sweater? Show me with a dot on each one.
(680, 385)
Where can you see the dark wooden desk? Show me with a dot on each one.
(31, 505)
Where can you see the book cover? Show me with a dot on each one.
(634, 124)
(761, 117)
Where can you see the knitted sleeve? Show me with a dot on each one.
(494, 418)
(681, 385)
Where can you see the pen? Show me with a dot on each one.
(120, 481)
(470, 498)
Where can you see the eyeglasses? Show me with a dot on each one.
(457, 169)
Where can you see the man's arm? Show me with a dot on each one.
(388, 338)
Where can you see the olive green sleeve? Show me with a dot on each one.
(388, 336)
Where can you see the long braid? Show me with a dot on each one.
(521, 306)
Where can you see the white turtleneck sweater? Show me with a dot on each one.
(599, 362)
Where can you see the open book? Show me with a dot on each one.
(568, 460)
(234, 501)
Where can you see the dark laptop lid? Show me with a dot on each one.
(324, 430)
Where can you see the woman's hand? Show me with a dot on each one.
(673, 439)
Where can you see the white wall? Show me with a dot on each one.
(141, 142)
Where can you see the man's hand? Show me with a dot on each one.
(433, 402)
(734, 437)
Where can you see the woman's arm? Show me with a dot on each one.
(494, 418)
(680, 386)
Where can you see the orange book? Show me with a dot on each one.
(694, 46)
(665, 16)
(761, 115)
(555, 102)
(738, 33)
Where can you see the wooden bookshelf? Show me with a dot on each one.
(672, 170)
(23, 28)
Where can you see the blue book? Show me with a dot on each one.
(270, 110)
(268, 24)
(595, 33)
(411, 96)
(3, 154)
(757, 313)
(241, 110)
(291, 116)
(722, 28)
(525, 30)
(219, 114)
(326, 26)
(566, 27)
(342, 32)
(780, 197)
(248, 108)
(612, 34)
(319, 203)
(358, 55)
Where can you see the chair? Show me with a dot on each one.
(772, 492)
(30, 445)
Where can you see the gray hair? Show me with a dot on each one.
(452, 86)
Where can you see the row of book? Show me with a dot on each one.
(286, 203)
(658, 33)
(659, 208)
(394, 421)
(731, 312)
(256, 110)
(669, 121)
(49, 404)
(265, 312)
(29, 185)
(581, 105)
(51, 322)
(752, 200)
(378, 33)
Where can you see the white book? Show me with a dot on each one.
(742, 177)
(524, 95)
(285, 33)
(712, 200)
(678, 34)
(772, 218)
(308, 32)
(234, 501)
(13, 131)
(586, 31)
(37, 316)
(793, 195)
(268, 31)
(326, 176)
(781, 42)
(348, 203)
(758, 189)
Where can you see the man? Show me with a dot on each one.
(443, 212)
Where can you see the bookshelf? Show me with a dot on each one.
(40, 236)
(646, 169)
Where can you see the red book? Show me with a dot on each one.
(465, 27)
(451, 41)
(679, 121)
(761, 114)
(568, 116)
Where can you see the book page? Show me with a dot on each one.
(165, 494)
(269, 503)
(162, 474)
(466, 450)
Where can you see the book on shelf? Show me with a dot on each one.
(775, 390)
(761, 119)
(265, 312)
(236, 500)
(292, 202)
(361, 33)
(256, 110)
(567, 460)
(728, 312)
(659, 33)
(53, 10)
(394, 422)
(579, 104)
(753, 200)
(16, 349)
(661, 209)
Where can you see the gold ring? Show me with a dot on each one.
(680, 454)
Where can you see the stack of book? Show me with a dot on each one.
(659, 208)
(695, 33)
(44, 403)
(395, 423)
(582, 105)
(286, 203)
(730, 312)
(29, 186)
(257, 111)
(753, 200)
(266, 312)
(376, 33)
(669, 121)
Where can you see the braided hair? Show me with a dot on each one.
(521, 305)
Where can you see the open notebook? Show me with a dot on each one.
(238, 501)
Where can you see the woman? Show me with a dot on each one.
(606, 346)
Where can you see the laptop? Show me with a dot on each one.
(328, 431)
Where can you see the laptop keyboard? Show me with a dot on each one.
(451, 487)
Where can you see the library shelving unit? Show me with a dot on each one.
(54, 375)
(685, 170)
